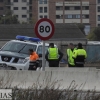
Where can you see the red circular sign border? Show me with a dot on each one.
(36, 29)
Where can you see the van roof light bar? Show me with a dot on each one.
(23, 38)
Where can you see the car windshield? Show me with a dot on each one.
(18, 47)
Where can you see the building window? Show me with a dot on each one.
(98, 17)
(98, 24)
(57, 16)
(85, 16)
(98, 1)
(1, 0)
(23, 8)
(77, 8)
(77, 16)
(59, 7)
(9, 7)
(41, 16)
(41, 9)
(45, 16)
(24, 16)
(40, 1)
(30, 15)
(17, 16)
(30, 8)
(69, 16)
(72, 16)
(71, 8)
(30, 2)
(1, 8)
(98, 8)
(15, 8)
(45, 9)
(67, 8)
(23, 0)
(85, 8)
(45, 1)
(15, 0)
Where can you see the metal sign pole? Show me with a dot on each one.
(44, 30)
(43, 56)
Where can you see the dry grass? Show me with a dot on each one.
(48, 90)
(54, 94)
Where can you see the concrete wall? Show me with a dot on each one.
(85, 78)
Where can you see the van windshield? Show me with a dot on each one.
(18, 47)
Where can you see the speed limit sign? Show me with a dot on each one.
(44, 29)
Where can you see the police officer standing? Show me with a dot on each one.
(53, 55)
(70, 51)
(79, 56)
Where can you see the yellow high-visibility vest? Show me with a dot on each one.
(53, 53)
(79, 52)
(70, 58)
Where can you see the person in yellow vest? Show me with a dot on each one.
(70, 51)
(53, 55)
(79, 56)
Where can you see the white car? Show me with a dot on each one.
(14, 54)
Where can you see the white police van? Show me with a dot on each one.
(14, 54)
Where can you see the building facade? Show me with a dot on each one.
(3, 8)
(59, 11)
(21, 8)
(64, 11)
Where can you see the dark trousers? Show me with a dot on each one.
(53, 63)
(33, 65)
(79, 65)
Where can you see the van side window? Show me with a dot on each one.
(39, 50)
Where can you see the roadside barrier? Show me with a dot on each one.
(85, 78)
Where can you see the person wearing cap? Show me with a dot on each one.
(79, 56)
(70, 50)
(33, 60)
(53, 55)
